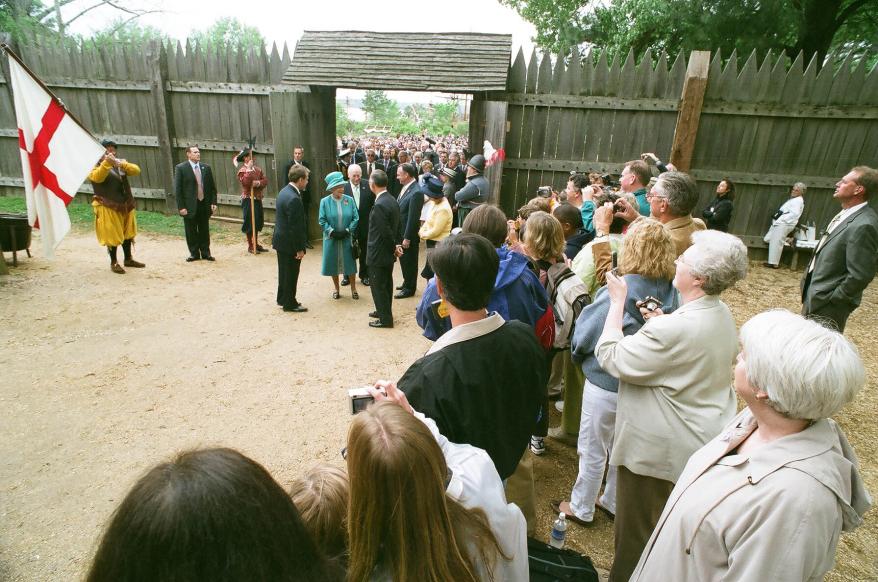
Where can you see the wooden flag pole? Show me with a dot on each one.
(253, 218)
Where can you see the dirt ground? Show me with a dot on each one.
(105, 375)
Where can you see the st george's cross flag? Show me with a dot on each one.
(56, 155)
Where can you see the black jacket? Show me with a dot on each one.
(484, 391)
(186, 188)
(289, 222)
(718, 214)
(410, 205)
(383, 231)
(367, 200)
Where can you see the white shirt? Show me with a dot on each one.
(843, 215)
(792, 211)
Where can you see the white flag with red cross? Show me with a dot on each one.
(56, 155)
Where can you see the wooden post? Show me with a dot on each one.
(495, 132)
(690, 110)
(158, 60)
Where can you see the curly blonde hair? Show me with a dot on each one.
(648, 250)
(544, 237)
(321, 495)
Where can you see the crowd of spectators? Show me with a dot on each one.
(439, 483)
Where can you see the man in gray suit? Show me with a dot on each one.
(844, 261)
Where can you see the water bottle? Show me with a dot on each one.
(559, 531)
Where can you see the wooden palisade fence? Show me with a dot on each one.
(765, 126)
(155, 100)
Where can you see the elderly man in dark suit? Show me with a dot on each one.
(289, 238)
(364, 198)
(411, 201)
(382, 249)
(195, 190)
(388, 164)
(844, 261)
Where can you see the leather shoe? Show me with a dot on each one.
(133, 263)
(365, 281)
(209, 258)
(308, 245)
(296, 309)
(117, 268)
(345, 282)
(403, 294)
(770, 266)
(377, 323)
(373, 314)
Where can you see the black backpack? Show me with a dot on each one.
(548, 564)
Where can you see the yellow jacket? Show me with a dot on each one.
(99, 172)
(438, 223)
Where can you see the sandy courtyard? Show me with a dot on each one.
(105, 375)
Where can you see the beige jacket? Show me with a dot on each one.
(775, 515)
(681, 231)
(675, 389)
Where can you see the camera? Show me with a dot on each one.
(359, 399)
(650, 303)
(544, 191)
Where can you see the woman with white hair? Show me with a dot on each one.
(675, 390)
(768, 498)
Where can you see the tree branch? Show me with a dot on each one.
(40, 16)
(849, 11)
(89, 9)
(122, 24)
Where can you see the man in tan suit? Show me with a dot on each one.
(671, 201)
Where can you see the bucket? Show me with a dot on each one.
(14, 226)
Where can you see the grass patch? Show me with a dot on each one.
(82, 220)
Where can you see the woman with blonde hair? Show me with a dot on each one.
(647, 265)
(425, 509)
(544, 243)
(321, 495)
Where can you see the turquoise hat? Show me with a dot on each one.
(334, 180)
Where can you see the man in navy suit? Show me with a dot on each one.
(382, 249)
(411, 201)
(844, 261)
(299, 158)
(195, 190)
(364, 198)
(289, 238)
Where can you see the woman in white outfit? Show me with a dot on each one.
(424, 508)
(768, 498)
(783, 222)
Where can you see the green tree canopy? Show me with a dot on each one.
(229, 32)
(812, 26)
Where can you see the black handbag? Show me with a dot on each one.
(548, 564)
(355, 248)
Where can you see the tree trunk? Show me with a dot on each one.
(817, 28)
(58, 18)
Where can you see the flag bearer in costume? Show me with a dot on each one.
(114, 206)
(252, 180)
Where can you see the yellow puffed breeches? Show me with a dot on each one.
(111, 227)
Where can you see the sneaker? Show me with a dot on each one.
(537, 445)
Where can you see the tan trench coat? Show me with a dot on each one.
(776, 515)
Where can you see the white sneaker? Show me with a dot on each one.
(537, 446)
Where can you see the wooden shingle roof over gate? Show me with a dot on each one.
(392, 61)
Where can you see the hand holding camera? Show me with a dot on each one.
(650, 307)
(360, 398)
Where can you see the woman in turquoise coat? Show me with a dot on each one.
(338, 218)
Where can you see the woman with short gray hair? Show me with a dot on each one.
(675, 390)
(769, 497)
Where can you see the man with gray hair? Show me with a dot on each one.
(671, 201)
(783, 223)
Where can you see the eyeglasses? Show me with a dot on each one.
(679, 261)
(652, 194)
